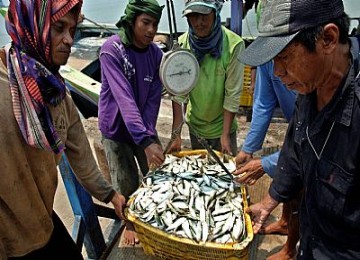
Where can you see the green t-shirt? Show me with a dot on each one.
(218, 88)
(258, 13)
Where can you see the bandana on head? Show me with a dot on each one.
(213, 43)
(34, 79)
(133, 8)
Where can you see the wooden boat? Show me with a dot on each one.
(82, 71)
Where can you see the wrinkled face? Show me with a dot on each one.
(62, 38)
(300, 69)
(201, 23)
(145, 28)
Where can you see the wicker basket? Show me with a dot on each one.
(158, 243)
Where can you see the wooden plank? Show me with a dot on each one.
(83, 208)
(82, 82)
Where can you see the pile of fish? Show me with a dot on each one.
(191, 197)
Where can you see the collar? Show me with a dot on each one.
(339, 109)
(350, 89)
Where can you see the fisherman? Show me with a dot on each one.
(38, 123)
(214, 101)
(269, 93)
(313, 54)
(130, 99)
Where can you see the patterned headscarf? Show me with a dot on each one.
(134, 8)
(213, 43)
(34, 80)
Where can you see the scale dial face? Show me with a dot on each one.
(179, 72)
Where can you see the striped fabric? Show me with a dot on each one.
(34, 81)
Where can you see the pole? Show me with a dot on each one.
(236, 16)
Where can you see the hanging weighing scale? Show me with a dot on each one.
(179, 71)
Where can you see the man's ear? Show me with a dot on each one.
(330, 37)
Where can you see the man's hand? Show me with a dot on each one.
(259, 212)
(119, 203)
(242, 158)
(154, 155)
(226, 144)
(176, 145)
(250, 172)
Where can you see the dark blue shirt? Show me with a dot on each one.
(330, 210)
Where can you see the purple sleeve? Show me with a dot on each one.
(123, 94)
(152, 106)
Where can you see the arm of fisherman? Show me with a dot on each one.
(153, 101)
(287, 181)
(233, 87)
(269, 163)
(83, 163)
(260, 211)
(225, 136)
(153, 151)
(234, 80)
(265, 101)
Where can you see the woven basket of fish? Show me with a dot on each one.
(189, 208)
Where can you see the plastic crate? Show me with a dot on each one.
(246, 97)
(158, 243)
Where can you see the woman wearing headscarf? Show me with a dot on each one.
(39, 122)
(214, 101)
(130, 99)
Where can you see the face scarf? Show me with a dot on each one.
(34, 80)
(133, 8)
(211, 44)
